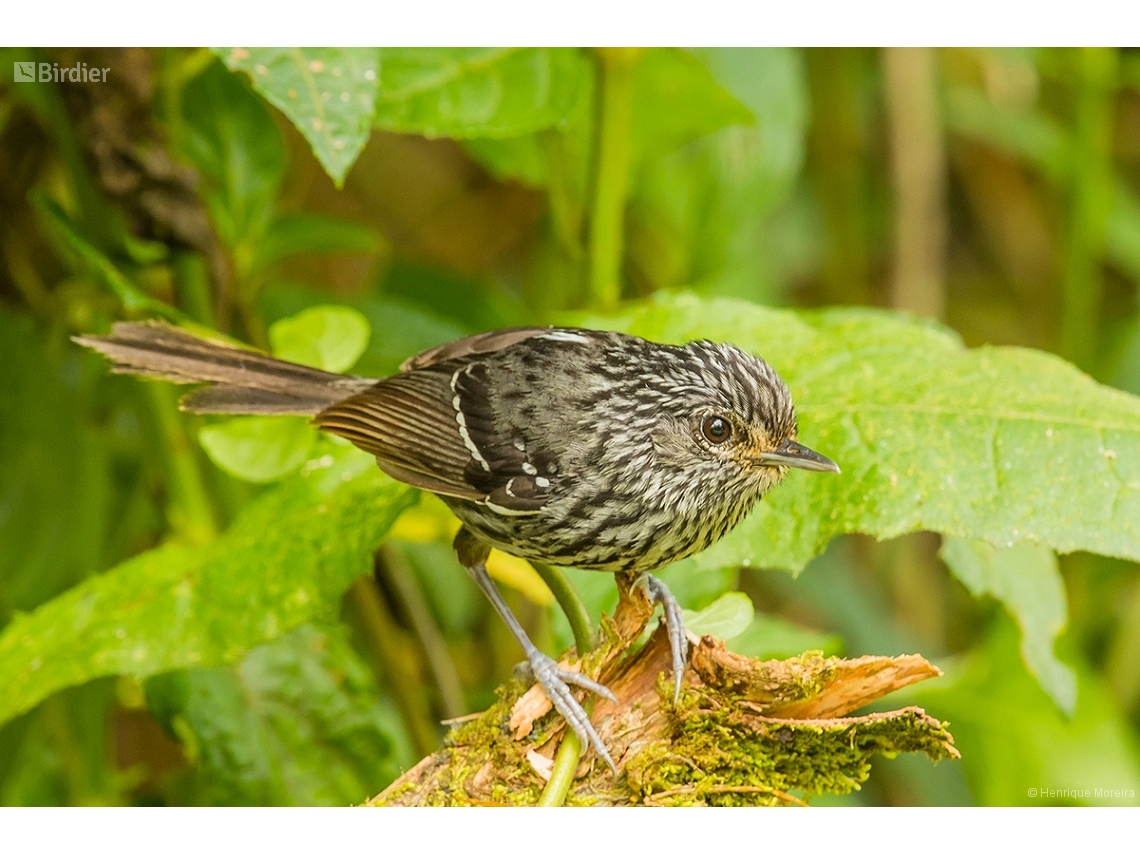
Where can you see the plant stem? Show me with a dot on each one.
(191, 511)
(571, 604)
(570, 751)
(611, 174)
(562, 775)
(1090, 203)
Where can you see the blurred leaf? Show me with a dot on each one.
(60, 754)
(399, 328)
(327, 337)
(98, 265)
(56, 499)
(1030, 136)
(231, 138)
(1026, 580)
(308, 232)
(520, 159)
(1122, 231)
(1000, 444)
(259, 448)
(296, 722)
(677, 99)
(703, 214)
(286, 561)
(477, 92)
(724, 619)
(328, 93)
(1016, 746)
(772, 637)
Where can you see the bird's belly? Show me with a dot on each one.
(641, 539)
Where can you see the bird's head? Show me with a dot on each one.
(732, 424)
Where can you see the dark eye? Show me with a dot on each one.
(716, 429)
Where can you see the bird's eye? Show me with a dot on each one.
(716, 429)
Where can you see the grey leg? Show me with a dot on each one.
(678, 642)
(553, 679)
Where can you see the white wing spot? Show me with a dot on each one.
(542, 483)
(565, 335)
(462, 422)
(529, 469)
(507, 512)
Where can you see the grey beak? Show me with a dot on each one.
(791, 453)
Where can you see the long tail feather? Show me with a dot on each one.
(242, 381)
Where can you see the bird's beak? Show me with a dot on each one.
(791, 453)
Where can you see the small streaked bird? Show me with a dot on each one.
(572, 447)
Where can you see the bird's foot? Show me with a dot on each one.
(678, 642)
(555, 682)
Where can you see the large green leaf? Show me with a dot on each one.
(286, 561)
(328, 93)
(676, 99)
(1000, 444)
(477, 92)
(296, 722)
(231, 138)
(1026, 580)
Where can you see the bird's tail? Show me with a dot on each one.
(241, 381)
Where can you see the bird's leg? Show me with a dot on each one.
(659, 592)
(554, 680)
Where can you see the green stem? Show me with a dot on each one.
(571, 604)
(562, 775)
(191, 511)
(1090, 203)
(570, 751)
(615, 121)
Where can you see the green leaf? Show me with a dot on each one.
(772, 637)
(98, 265)
(296, 722)
(677, 99)
(399, 328)
(1001, 444)
(231, 138)
(307, 232)
(1017, 746)
(328, 93)
(1026, 580)
(703, 215)
(726, 618)
(259, 448)
(286, 561)
(478, 92)
(327, 337)
(57, 501)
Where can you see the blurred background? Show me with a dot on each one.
(994, 191)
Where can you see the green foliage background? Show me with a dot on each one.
(938, 250)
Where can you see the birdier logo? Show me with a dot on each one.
(53, 72)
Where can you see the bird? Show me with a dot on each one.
(574, 447)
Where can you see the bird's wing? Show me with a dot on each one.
(472, 345)
(437, 430)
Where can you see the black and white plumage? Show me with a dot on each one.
(572, 447)
(576, 447)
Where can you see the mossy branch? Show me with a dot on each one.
(744, 732)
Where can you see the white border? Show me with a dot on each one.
(581, 22)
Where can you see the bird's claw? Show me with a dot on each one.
(554, 682)
(674, 622)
